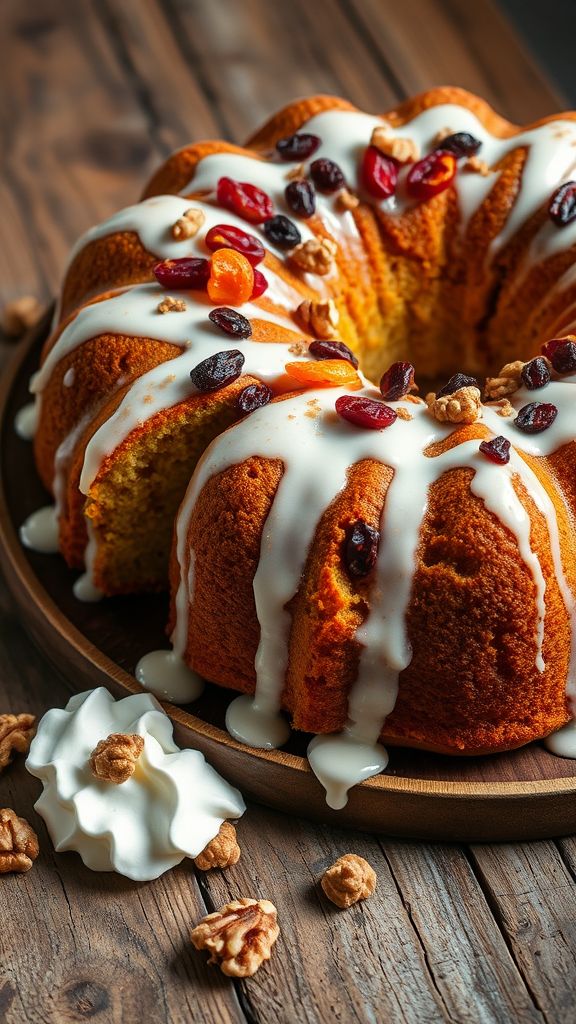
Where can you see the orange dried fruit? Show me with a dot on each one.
(231, 277)
(329, 373)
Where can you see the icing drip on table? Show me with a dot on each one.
(170, 808)
(316, 451)
(164, 674)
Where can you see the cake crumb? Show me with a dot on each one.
(170, 305)
(403, 413)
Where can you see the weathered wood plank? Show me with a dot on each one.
(74, 943)
(533, 897)
(445, 42)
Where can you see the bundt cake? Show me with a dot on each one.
(381, 566)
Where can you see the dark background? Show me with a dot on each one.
(549, 28)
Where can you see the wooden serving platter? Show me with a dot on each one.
(526, 794)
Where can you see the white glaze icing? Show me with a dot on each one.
(170, 808)
(85, 588)
(563, 742)
(39, 532)
(164, 674)
(26, 421)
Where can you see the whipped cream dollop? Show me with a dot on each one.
(170, 808)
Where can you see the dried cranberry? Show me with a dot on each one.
(281, 231)
(231, 322)
(549, 347)
(254, 396)
(460, 144)
(245, 199)
(301, 198)
(260, 285)
(379, 173)
(536, 416)
(562, 208)
(497, 450)
(397, 382)
(365, 412)
(226, 236)
(361, 548)
(187, 272)
(563, 358)
(329, 349)
(218, 370)
(431, 175)
(297, 147)
(536, 374)
(459, 380)
(326, 175)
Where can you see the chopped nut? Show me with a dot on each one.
(170, 305)
(316, 255)
(319, 317)
(222, 851)
(114, 759)
(475, 164)
(295, 173)
(503, 407)
(16, 732)
(403, 413)
(508, 381)
(346, 200)
(239, 936)
(350, 879)
(20, 315)
(462, 406)
(189, 225)
(440, 136)
(18, 842)
(404, 150)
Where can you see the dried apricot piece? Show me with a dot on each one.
(231, 279)
(329, 373)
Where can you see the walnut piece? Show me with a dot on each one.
(18, 842)
(507, 382)
(222, 851)
(404, 150)
(478, 166)
(346, 200)
(21, 314)
(170, 305)
(295, 173)
(350, 879)
(114, 759)
(319, 317)
(16, 732)
(462, 406)
(239, 936)
(189, 225)
(316, 255)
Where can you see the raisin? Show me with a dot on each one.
(326, 175)
(361, 548)
(365, 412)
(301, 198)
(254, 396)
(397, 382)
(379, 173)
(187, 272)
(536, 374)
(535, 417)
(497, 450)
(281, 231)
(329, 349)
(431, 175)
(217, 370)
(563, 358)
(226, 236)
(297, 147)
(460, 144)
(459, 380)
(245, 199)
(231, 322)
(562, 208)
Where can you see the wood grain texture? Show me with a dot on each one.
(93, 94)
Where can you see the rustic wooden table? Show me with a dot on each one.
(93, 95)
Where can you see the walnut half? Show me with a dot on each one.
(461, 406)
(350, 879)
(222, 851)
(18, 842)
(239, 936)
(16, 732)
(114, 759)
